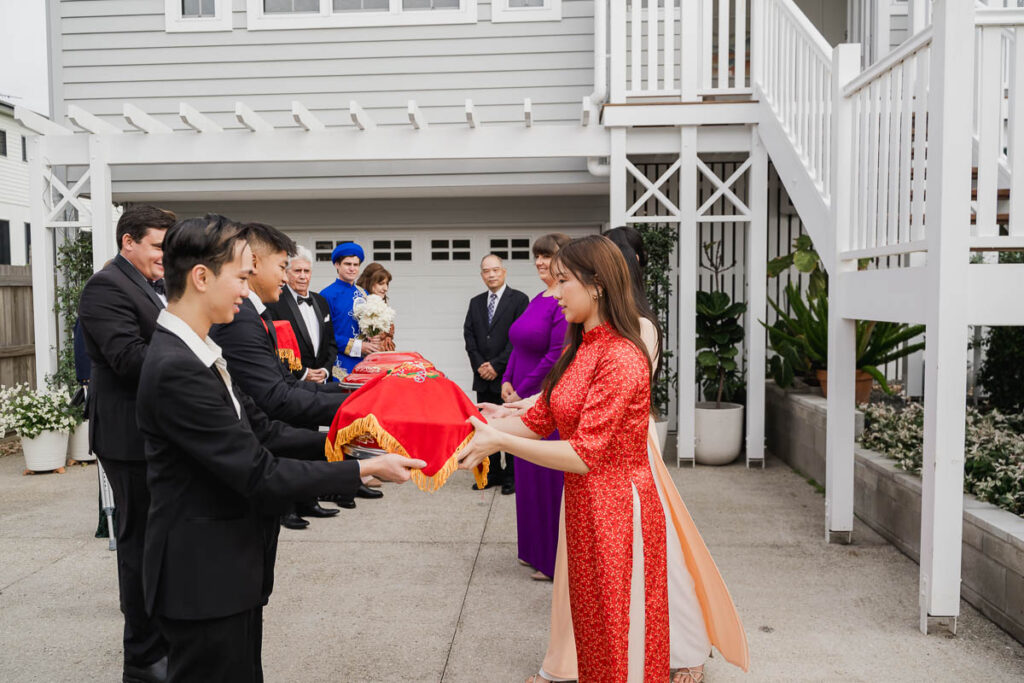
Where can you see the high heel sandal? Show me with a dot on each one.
(688, 674)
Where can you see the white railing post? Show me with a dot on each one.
(842, 332)
(757, 293)
(104, 244)
(948, 212)
(617, 57)
(880, 30)
(687, 290)
(617, 178)
(690, 49)
(43, 267)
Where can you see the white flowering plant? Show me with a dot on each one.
(30, 412)
(993, 449)
(373, 315)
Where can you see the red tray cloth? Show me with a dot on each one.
(287, 345)
(415, 411)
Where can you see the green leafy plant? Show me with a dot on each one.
(994, 449)
(31, 412)
(74, 263)
(805, 259)
(719, 331)
(1001, 373)
(659, 242)
(800, 340)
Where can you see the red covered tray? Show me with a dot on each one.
(377, 364)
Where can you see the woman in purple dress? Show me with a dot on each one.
(537, 338)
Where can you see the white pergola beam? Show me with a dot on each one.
(416, 118)
(38, 123)
(360, 117)
(305, 118)
(528, 112)
(201, 123)
(90, 123)
(471, 117)
(250, 119)
(143, 121)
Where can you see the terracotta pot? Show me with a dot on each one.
(864, 384)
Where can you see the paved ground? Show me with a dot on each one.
(422, 587)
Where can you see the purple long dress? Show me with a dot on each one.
(537, 338)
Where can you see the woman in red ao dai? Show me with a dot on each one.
(598, 397)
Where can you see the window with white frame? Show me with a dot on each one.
(509, 11)
(182, 16)
(298, 14)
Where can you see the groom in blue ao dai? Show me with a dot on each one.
(341, 295)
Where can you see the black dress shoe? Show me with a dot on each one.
(293, 521)
(508, 488)
(314, 510)
(346, 503)
(366, 492)
(490, 485)
(153, 673)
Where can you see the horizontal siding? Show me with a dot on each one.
(116, 51)
(13, 171)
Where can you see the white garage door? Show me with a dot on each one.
(435, 274)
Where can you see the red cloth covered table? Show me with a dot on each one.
(413, 410)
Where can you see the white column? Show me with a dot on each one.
(617, 51)
(842, 333)
(757, 286)
(617, 178)
(43, 267)
(880, 30)
(687, 297)
(104, 245)
(948, 210)
(690, 48)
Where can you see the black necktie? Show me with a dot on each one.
(308, 300)
(158, 286)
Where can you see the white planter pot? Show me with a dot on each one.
(48, 451)
(78, 444)
(718, 433)
(661, 427)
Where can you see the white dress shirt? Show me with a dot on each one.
(497, 297)
(206, 350)
(310, 317)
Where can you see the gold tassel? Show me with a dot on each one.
(370, 425)
(288, 356)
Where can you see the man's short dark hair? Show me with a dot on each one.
(138, 220)
(268, 238)
(208, 241)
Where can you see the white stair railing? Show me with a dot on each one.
(795, 79)
(678, 50)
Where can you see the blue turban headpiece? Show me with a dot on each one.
(347, 249)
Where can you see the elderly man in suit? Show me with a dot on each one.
(486, 333)
(220, 471)
(310, 318)
(117, 315)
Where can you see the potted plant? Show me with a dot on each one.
(799, 336)
(659, 243)
(718, 427)
(44, 421)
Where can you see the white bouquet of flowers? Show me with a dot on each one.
(373, 315)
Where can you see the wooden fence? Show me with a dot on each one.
(17, 333)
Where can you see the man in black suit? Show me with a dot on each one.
(310, 318)
(486, 332)
(249, 343)
(216, 474)
(117, 314)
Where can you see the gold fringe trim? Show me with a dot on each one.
(370, 425)
(288, 356)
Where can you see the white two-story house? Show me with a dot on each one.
(436, 131)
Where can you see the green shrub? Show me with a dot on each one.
(994, 449)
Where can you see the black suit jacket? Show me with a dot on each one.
(217, 484)
(286, 308)
(489, 343)
(117, 312)
(251, 353)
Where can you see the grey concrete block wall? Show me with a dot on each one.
(888, 500)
